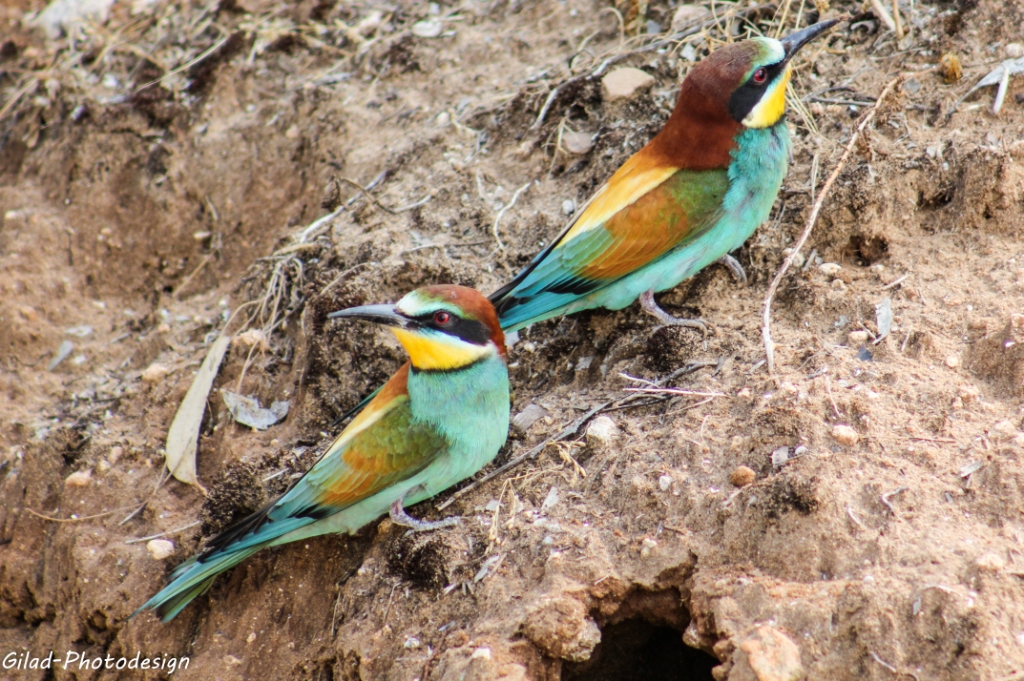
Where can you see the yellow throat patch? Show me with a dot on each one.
(439, 352)
(772, 106)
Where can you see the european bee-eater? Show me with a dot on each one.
(441, 418)
(694, 193)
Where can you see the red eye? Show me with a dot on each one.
(441, 317)
(760, 76)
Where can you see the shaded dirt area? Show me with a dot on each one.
(163, 177)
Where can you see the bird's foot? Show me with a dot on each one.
(735, 267)
(400, 517)
(651, 307)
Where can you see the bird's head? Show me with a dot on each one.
(443, 328)
(747, 80)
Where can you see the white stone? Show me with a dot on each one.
(1003, 431)
(602, 431)
(577, 142)
(845, 435)
(550, 501)
(79, 479)
(428, 28)
(990, 562)
(664, 482)
(686, 14)
(568, 206)
(829, 269)
(155, 373)
(160, 548)
(623, 83)
(858, 337)
(61, 14)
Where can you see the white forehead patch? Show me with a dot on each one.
(774, 52)
(415, 303)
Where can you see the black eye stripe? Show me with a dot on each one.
(469, 330)
(747, 95)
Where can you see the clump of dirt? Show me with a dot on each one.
(235, 494)
(183, 170)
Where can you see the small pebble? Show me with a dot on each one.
(78, 479)
(577, 142)
(969, 393)
(664, 482)
(686, 14)
(623, 83)
(742, 476)
(798, 259)
(568, 206)
(115, 453)
(160, 548)
(952, 361)
(601, 431)
(155, 373)
(428, 28)
(845, 435)
(647, 547)
(1014, 50)
(858, 337)
(550, 501)
(1003, 431)
(829, 269)
(990, 562)
(251, 338)
(251, 638)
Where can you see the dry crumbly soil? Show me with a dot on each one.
(889, 549)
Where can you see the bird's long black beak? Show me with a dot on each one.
(797, 39)
(378, 314)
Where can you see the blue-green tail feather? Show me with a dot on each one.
(193, 577)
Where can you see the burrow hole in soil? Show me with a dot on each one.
(636, 650)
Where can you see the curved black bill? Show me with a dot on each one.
(797, 39)
(379, 314)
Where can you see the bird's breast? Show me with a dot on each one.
(759, 164)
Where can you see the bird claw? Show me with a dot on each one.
(400, 517)
(735, 267)
(649, 305)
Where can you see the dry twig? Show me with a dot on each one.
(766, 332)
(497, 219)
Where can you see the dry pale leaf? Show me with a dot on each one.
(247, 410)
(184, 432)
